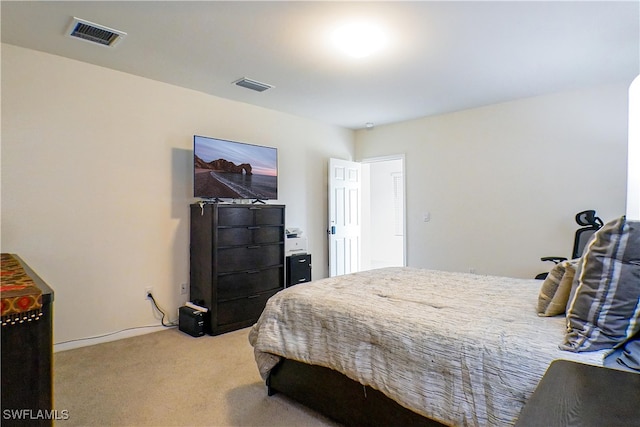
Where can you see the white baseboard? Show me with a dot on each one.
(127, 333)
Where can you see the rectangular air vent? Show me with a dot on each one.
(252, 84)
(94, 33)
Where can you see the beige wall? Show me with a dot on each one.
(96, 180)
(96, 183)
(503, 182)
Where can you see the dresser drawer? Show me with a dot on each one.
(235, 216)
(249, 258)
(250, 215)
(269, 216)
(234, 236)
(237, 236)
(242, 309)
(268, 234)
(236, 285)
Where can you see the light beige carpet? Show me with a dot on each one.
(169, 378)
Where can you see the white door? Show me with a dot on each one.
(344, 217)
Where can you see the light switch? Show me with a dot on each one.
(426, 217)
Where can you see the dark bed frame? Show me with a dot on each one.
(339, 397)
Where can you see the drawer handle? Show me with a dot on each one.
(253, 247)
(253, 296)
(301, 280)
(254, 208)
(253, 271)
(253, 228)
(302, 260)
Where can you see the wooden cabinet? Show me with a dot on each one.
(27, 357)
(237, 261)
(298, 269)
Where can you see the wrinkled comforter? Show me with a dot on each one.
(462, 349)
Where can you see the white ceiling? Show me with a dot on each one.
(443, 56)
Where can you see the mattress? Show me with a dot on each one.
(462, 349)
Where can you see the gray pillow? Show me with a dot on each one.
(604, 308)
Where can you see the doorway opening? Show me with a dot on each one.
(383, 230)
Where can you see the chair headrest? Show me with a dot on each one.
(589, 218)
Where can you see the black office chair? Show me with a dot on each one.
(590, 224)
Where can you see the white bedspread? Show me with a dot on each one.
(462, 349)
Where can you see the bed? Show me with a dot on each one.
(449, 348)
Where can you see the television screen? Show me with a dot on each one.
(234, 170)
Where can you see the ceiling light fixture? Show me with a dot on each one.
(359, 39)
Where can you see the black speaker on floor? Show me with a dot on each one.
(191, 321)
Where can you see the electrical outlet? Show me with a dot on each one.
(183, 288)
(148, 290)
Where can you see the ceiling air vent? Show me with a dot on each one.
(252, 84)
(94, 33)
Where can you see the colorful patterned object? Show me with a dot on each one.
(21, 298)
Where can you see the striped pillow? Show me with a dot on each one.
(630, 356)
(604, 310)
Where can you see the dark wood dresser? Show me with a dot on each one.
(27, 346)
(237, 261)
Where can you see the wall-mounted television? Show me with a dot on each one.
(225, 169)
